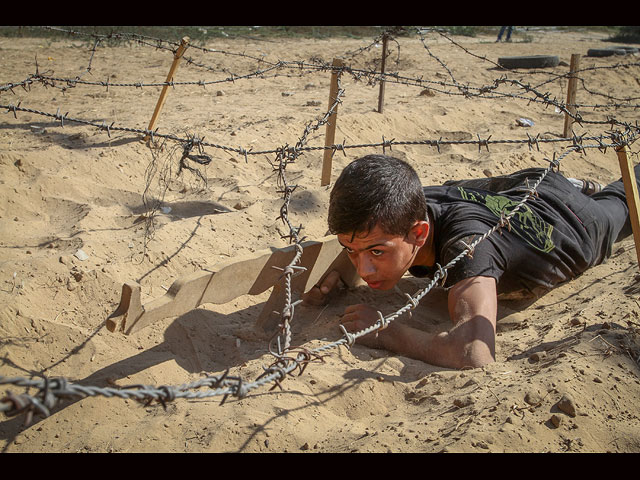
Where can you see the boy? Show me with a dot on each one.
(390, 224)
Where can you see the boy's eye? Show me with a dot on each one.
(374, 252)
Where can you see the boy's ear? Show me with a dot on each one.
(419, 232)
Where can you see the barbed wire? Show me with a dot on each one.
(437, 143)
(286, 156)
(52, 390)
(372, 76)
(288, 358)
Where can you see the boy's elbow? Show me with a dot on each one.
(474, 354)
(476, 359)
(474, 343)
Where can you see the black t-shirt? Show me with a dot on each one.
(545, 244)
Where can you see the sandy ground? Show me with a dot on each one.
(71, 187)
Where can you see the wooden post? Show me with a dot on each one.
(631, 192)
(382, 65)
(571, 94)
(331, 125)
(163, 95)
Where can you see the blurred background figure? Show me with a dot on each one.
(502, 29)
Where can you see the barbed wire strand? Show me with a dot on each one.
(288, 359)
(51, 390)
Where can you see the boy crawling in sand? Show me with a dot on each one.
(390, 224)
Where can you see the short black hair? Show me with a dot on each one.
(376, 190)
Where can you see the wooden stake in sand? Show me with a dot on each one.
(385, 40)
(631, 192)
(571, 94)
(331, 124)
(163, 95)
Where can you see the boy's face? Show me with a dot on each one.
(381, 259)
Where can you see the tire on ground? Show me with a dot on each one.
(530, 61)
(629, 50)
(606, 52)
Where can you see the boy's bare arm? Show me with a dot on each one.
(470, 343)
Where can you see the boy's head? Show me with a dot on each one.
(376, 190)
(378, 211)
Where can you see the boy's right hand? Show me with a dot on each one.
(318, 295)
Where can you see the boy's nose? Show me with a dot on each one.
(365, 267)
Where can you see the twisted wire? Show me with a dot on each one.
(53, 389)
(288, 358)
(284, 157)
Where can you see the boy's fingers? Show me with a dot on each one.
(354, 308)
(318, 293)
(329, 282)
(314, 297)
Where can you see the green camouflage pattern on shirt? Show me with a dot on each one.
(526, 223)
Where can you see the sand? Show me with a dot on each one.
(71, 187)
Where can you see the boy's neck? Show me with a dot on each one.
(426, 256)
